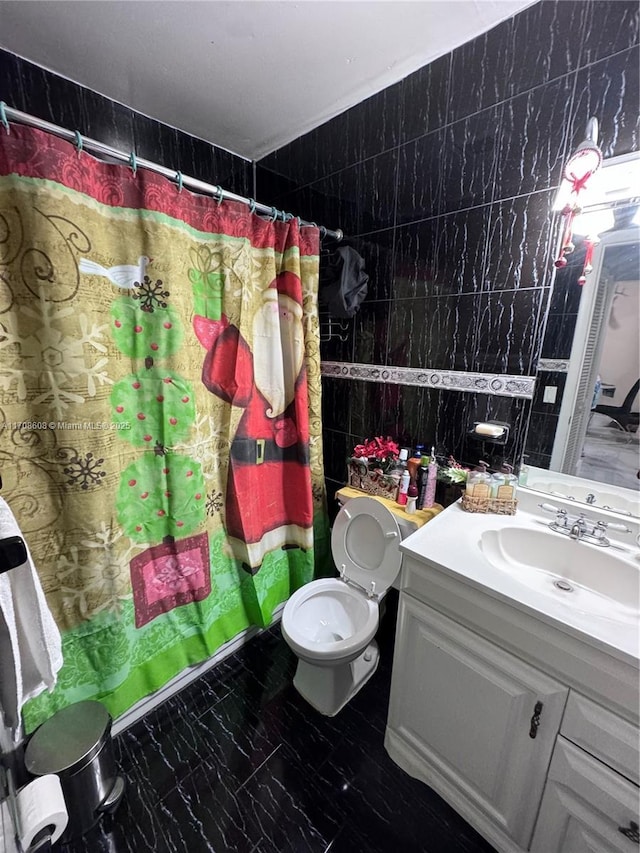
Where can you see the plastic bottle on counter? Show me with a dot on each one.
(430, 487)
(403, 488)
(412, 498)
(414, 463)
(400, 467)
(423, 471)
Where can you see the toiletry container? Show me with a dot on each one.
(404, 488)
(497, 481)
(412, 498)
(505, 483)
(414, 463)
(479, 482)
(431, 482)
(400, 467)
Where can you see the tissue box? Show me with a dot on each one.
(373, 483)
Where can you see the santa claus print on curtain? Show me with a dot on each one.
(268, 500)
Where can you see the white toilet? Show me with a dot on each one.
(330, 623)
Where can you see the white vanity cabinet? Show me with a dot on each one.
(473, 678)
(586, 808)
(483, 720)
(591, 798)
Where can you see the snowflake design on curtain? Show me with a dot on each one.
(214, 503)
(151, 294)
(84, 472)
(210, 445)
(93, 574)
(65, 358)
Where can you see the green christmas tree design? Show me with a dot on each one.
(160, 496)
(157, 404)
(145, 334)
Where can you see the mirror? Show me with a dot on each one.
(584, 438)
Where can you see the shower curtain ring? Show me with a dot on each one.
(179, 181)
(3, 116)
(323, 232)
(284, 216)
(133, 162)
(252, 206)
(274, 214)
(220, 192)
(299, 221)
(79, 142)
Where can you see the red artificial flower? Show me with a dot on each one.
(379, 448)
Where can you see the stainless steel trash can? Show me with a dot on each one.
(75, 744)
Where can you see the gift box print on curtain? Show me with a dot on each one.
(160, 386)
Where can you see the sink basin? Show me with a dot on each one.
(589, 578)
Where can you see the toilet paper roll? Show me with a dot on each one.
(40, 804)
(490, 430)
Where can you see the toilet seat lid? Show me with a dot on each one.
(365, 540)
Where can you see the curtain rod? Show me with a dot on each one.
(10, 114)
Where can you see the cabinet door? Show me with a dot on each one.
(585, 806)
(469, 708)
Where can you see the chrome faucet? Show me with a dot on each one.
(578, 528)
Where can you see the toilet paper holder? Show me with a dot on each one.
(495, 432)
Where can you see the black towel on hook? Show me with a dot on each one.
(343, 282)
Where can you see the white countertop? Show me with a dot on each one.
(451, 543)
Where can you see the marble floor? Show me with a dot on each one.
(239, 762)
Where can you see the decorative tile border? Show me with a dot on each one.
(557, 365)
(505, 385)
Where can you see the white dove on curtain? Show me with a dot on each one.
(124, 275)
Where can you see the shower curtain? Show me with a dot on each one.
(160, 439)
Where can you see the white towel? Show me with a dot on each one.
(30, 643)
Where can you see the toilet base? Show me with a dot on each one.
(329, 688)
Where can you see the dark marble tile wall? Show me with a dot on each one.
(34, 90)
(444, 183)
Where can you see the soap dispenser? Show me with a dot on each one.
(504, 483)
(479, 482)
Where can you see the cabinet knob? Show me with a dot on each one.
(632, 832)
(535, 719)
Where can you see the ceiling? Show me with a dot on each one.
(249, 75)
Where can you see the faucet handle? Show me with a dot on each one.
(613, 525)
(561, 514)
(552, 508)
(602, 525)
